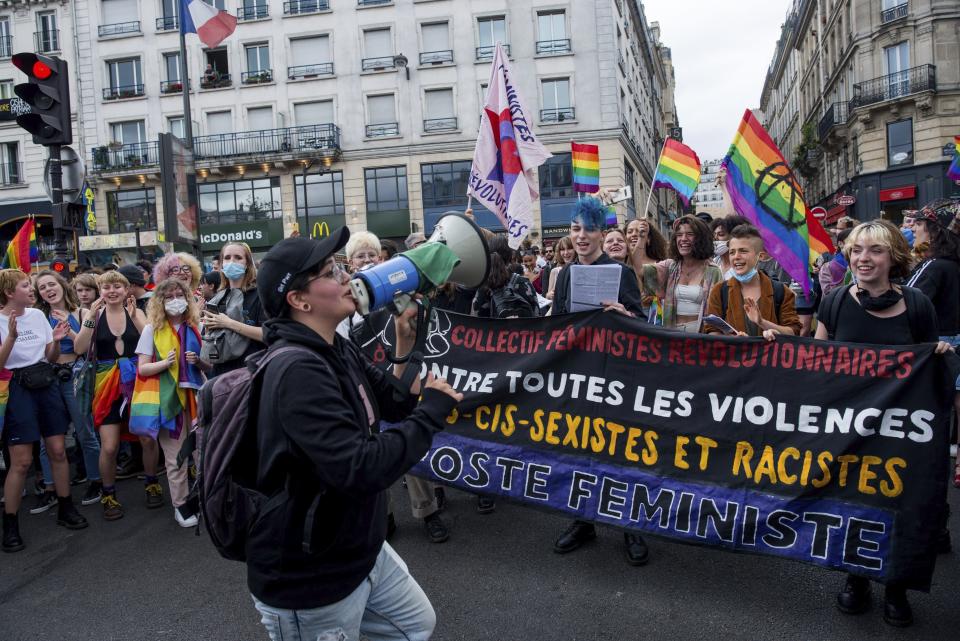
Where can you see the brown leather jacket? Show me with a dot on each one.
(738, 318)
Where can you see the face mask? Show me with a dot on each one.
(720, 247)
(745, 278)
(176, 306)
(234, 271)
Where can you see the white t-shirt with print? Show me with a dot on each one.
(33, 335)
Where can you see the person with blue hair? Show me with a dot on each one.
(586, 231)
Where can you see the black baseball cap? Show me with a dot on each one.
(287, 259)
(133, 274)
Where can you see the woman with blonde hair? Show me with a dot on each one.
(363, 250)
(563, 255)
(86, 288)
(232, 319)
(170, 371)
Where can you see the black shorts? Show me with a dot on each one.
(34, 414)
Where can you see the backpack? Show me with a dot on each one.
(226, 405)
(778, 295)
(835, 299)
(517, 298)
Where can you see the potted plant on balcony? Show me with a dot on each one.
(101, 157)
(806, 157)
(174, 87)
(114, 145)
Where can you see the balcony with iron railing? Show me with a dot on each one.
(836, 116)
(259, 77)
(11, 174)
(294, 142)
(553, 46)
(256, 12)
(373, 3)
(130, 157)
(216, 80)
(560, 114)
(378, 64)
(436, 57)
(434, 125)
(171, 86)
(301, 72)
(303, 7)
(383, 129)
(123, 91)
(486, 53)
(894, 86)
(119, 29)
(168, 23)
(47, 41)
(6, 47)
(894, 13)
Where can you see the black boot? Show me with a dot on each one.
(636, 549)
(11, 533)
(576, 535)
(896, 608)
(855, 596)
(68, 516)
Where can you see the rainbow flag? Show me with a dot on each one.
(611, 217)
(22, 251)
(820, 241)
(953, 173)
(586, 168)
(678, 169)
(764, 190)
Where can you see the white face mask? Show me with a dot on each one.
(176, 306)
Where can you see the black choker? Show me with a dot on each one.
(879, 303)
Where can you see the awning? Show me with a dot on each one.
(19, 210)
(898, 193)
(834, 214)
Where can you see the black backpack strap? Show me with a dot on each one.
(910, 299)
(834, 302)
(778, 294)
(724, 299)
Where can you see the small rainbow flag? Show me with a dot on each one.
(611, 218)
(764, 190)
(820, 241)
(953, 173)
(586, 168)
(22, 251)
(678, 169)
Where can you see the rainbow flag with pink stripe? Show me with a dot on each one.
(678, 169)
(22, 251)
(953, 172)
(586, 168)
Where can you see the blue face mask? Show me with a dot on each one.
(745, 278)
(233, 271)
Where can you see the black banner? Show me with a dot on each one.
(829, 453)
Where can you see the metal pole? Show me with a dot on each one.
(306, 209)
(58, 208)
(185, 79)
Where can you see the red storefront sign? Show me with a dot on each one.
(898, 193)
(834, 214)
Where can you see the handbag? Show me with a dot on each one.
(85, 374)
(37, 376)
(223, 345)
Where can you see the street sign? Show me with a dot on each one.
(846, 200)
(819, 213)
(74, 176)
(10, 108)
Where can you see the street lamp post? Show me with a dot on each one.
(306, 210)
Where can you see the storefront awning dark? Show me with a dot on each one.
(13, 211)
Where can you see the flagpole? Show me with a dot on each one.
(646, 208)
(185, 79)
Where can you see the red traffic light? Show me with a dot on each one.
(59, 265)
(41, 71)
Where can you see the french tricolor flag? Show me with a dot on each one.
(212, 25)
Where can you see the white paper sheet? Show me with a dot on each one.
(591, 285)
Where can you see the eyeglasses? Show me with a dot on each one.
(182, 269)
(336, 273)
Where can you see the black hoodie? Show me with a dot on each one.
(939, 279)
(317, 422)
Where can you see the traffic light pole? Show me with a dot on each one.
(58, 207)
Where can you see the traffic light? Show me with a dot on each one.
(60, 266)
(48, 94)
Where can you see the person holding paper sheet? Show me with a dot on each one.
(750, 301)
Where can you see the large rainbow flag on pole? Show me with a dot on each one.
(764, 190)
(953, 173)
(586, 168)
(678, 169)
(22, 251)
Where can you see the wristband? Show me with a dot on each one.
(89, 323)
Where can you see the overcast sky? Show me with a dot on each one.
(721, 52)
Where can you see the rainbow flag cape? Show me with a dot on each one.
(953, 173)
(159, 401)
(114, 381)
(764, 190)
(678, 169)
(586, 168)
(22, 251)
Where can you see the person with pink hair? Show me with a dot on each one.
(182, 266)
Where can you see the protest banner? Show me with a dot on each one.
(828, 453)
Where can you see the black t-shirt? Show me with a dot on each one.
(857, 325)
(939, 279)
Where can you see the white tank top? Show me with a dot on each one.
(689, 300)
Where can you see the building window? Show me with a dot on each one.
(313, 113)
(628, 180)
(253, 10)
(259, 118)
(556, 100)
(238, 201)
(6, 89)
(11, 173)
(900, 143)
(377, 50)
(132, 208)
(217, 71)
(386, 189)
(382, 116)
(439, 114)
(552, 32)
(436, 43)
(125, 79)
(171, 65)
(324, 196)
(175, 126)
(48, 35)
(490, 31)
(219, 122)
(258, 64)
(6, 39)
(130, 132)
(310, 57)
(219, 4)
(897, 61)
(556, 177)
(119, 17)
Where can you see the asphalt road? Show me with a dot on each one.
(144, 578)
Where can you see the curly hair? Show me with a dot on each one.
(70, 300)
(703, 239)
(157, 314)
(883, 233)
(165, 266)
(590, 213)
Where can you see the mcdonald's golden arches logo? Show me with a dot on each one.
(320, 230)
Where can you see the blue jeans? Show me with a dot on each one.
(955, 343)
(83, 429)
(388, 605)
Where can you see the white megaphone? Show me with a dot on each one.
(456, 252)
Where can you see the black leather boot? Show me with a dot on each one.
(12, 542)
(636, 549)
(68, 516)
(896, 608)
(855, 596)
(576, 535)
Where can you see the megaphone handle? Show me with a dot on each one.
(423, 309)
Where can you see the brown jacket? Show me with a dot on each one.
(738, 318)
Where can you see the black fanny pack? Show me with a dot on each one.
(37, 376)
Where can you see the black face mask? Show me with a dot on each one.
(879, 303)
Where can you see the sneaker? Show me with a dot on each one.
(112, 510)
(129, 468)
(93, 494)
(154, 495)
(436, 529)
(44, 502)
(184, 517)
(79, 478)
(485, 505)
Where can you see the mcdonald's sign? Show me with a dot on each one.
(320, 229)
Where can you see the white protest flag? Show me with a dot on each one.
(505, 162)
